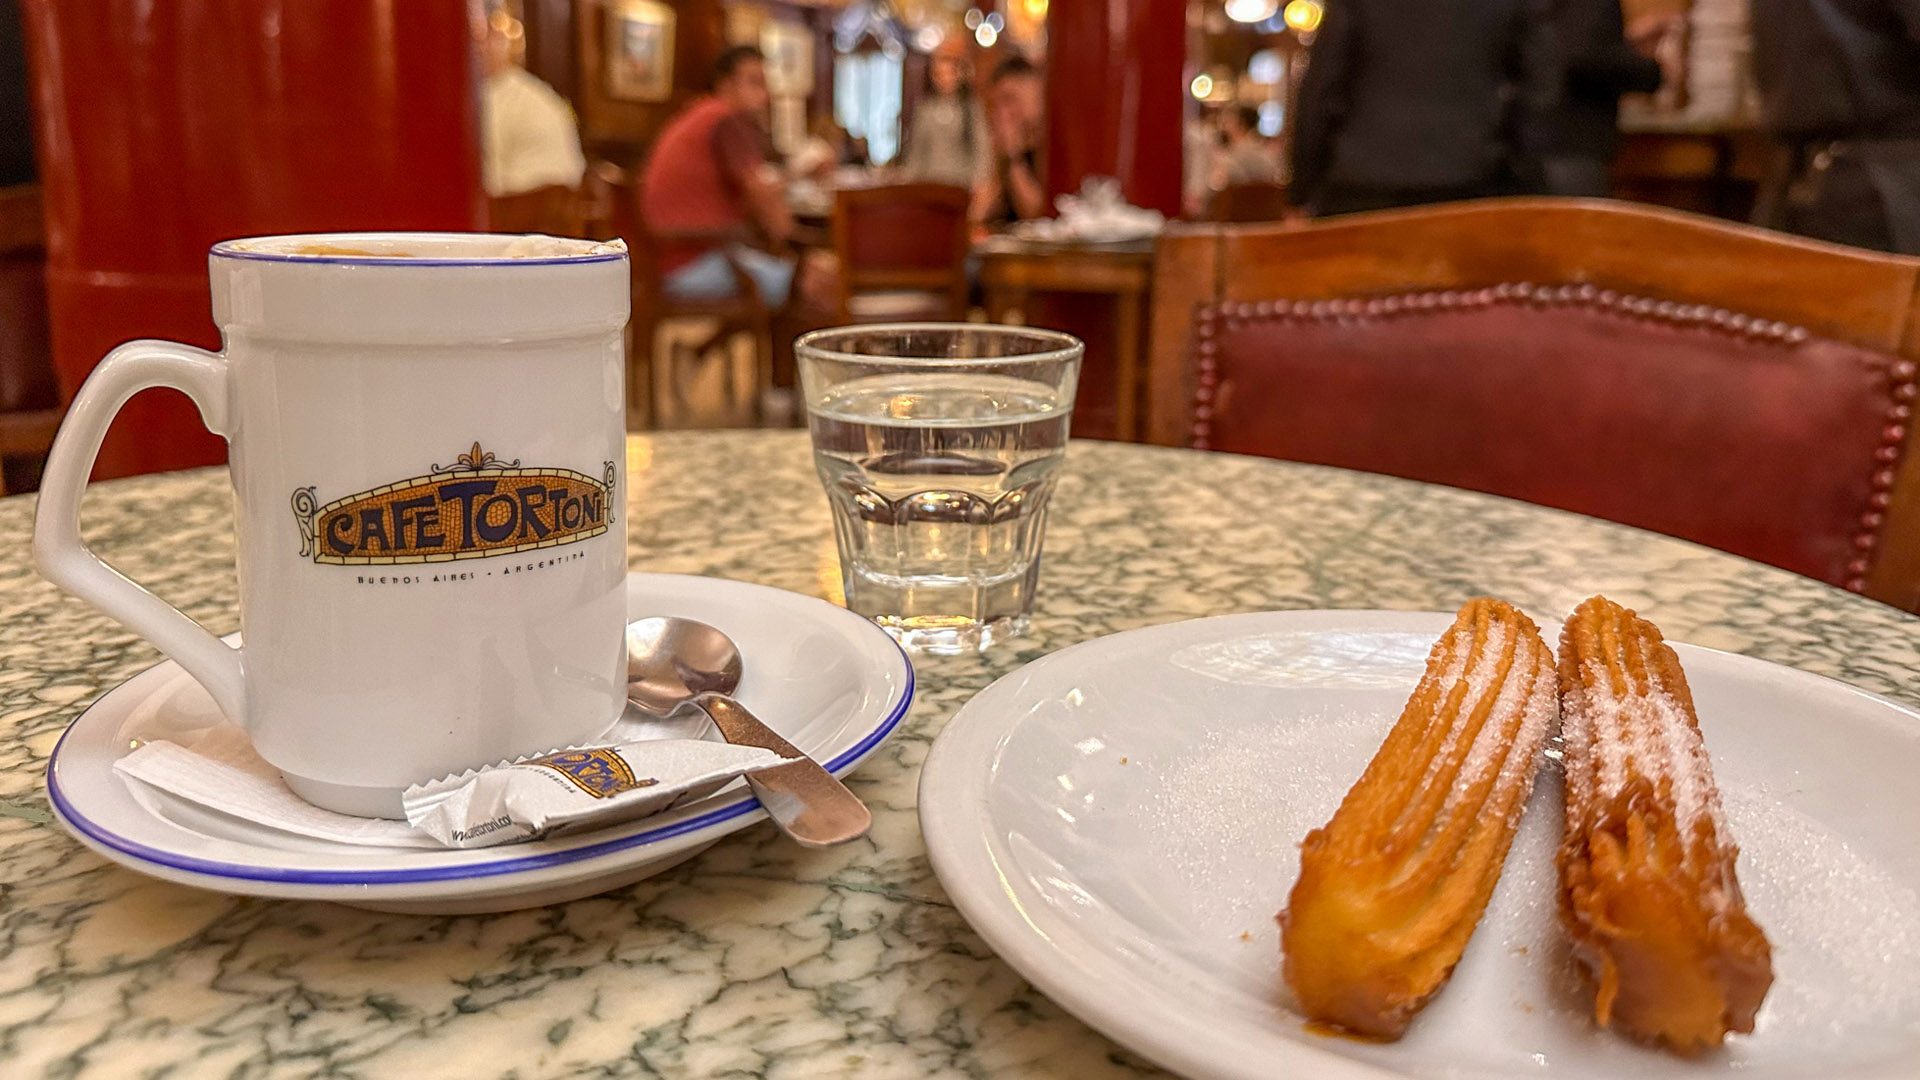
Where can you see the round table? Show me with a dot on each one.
(756, 958)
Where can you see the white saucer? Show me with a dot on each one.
(1120, 821)
(830, 681)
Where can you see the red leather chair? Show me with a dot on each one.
(902, 251)
(1748, 391)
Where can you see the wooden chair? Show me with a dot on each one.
(612, 209)
(1249, 202)
(30, 409)
(902, 252)
(556, 210)
(1744, 389)
(745, 311)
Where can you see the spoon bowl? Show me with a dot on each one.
(680, 670)
(670, 660)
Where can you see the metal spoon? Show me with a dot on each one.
(675, 666)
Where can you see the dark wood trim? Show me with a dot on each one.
(551, 44)
(1895, 574)
(1186, 274)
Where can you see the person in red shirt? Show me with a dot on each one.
(711, 174)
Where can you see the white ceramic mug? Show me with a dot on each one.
(426, 436)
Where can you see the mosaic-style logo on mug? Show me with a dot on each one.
(476, 507)
(599, 772)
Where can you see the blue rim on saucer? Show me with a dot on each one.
(744, 804)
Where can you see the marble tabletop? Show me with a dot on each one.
(757, 958)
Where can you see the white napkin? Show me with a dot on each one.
(217, 768)
(220, 771)
(1101, 214)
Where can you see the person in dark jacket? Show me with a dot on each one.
(1840, 90)
(1416, 101)
(1600, 66)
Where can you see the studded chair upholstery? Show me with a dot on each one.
(1586, 387)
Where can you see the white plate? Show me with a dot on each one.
(1121, 820)
(830, 681)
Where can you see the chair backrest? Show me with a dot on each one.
(1743, 389)
(1255, 201)
(903, 236)
(556, 210)
(610, 202)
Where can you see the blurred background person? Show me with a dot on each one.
(528, 136)
(1419, 101)
(1840, 91)
(947, 140)
(711, 172)
(1602, 61)
(1010, 189)
(1244, 156)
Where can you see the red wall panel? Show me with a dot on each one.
(1114, 97)
(166, 125)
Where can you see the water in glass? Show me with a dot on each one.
(939, 484)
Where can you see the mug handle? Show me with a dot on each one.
(64, 558)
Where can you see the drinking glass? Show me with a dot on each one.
(939, 444)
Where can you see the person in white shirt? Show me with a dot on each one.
(528, 138)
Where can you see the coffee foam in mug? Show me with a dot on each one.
(335, 249)
(537, 246)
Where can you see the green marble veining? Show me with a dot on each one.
(755, 958)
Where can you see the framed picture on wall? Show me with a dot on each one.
(639, 50)
(788, 48)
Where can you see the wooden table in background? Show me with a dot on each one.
(1098, 293)
(1708, 168)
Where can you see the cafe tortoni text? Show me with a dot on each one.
(475, 508)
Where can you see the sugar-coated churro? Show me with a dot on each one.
(1647, 885)
(1391, 888)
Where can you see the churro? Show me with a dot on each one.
(1647, 885)
(1391, 888)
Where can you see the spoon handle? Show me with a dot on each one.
(806, 801)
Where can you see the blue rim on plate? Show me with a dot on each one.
(241, 872)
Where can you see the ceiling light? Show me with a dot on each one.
(1305, 15)
(1265, 68)
(1251, 11)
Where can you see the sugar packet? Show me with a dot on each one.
(582, 787)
